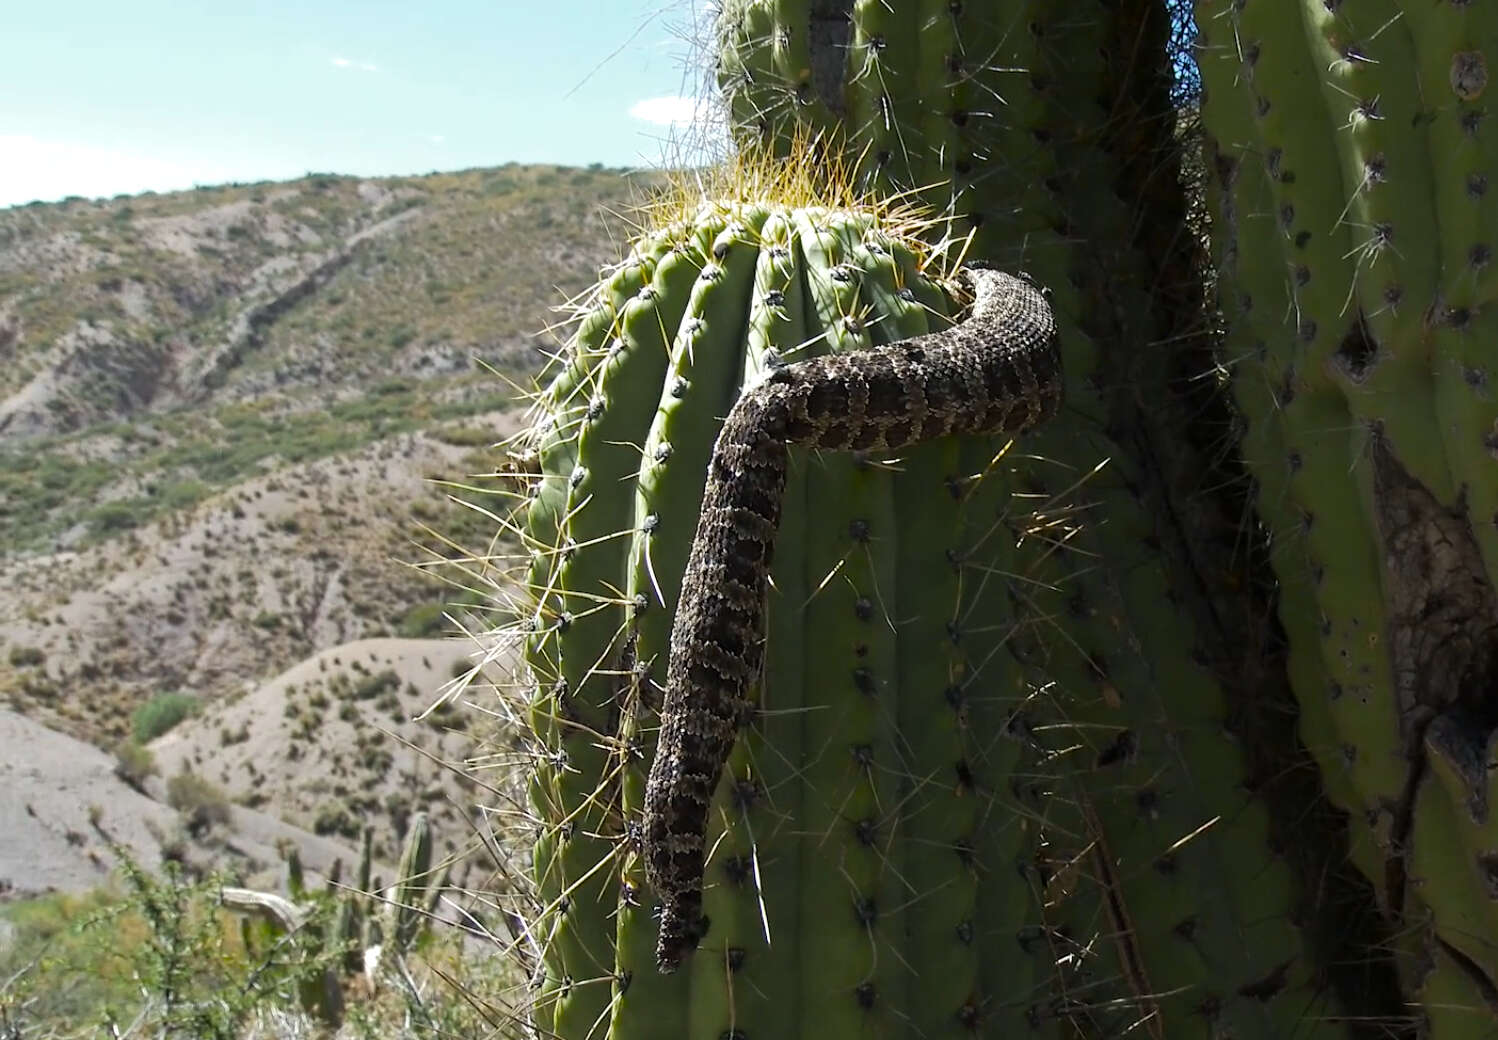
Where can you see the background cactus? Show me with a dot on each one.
(338, 920)
(1033, 123)
(1352, 236)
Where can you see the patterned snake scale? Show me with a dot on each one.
(997, 371)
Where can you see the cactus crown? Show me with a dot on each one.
(821, 170)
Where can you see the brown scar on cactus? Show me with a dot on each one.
(1443, 641)
(1469, 74)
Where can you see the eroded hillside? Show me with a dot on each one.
(225, 417)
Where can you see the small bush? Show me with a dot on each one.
(183, 493)
(26, 656)
(374, 685)
(133, 763)
(114, 518)
(160, 714)
(466, 436)
(201, 803)
(333, 818)
(376, 760)
(422, 621)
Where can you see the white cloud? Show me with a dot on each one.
(670, 111)
(32, 168)
(436, 139)
(346, 63)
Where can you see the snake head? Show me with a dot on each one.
(964, 275)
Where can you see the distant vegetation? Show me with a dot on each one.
(160, 714)
(41, 483)
(160, 957)
(197, 375)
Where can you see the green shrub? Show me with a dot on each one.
(160, 714)
(160, 957)
(156, 957)
(422, 621)
(333, 818)
(182, 493)
(114, 518)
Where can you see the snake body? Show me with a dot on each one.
(997, 371)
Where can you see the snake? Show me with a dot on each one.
(996, 371)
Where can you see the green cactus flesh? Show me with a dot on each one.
(414, 884)
(1353, 229)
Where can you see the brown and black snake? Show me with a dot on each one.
(996, 371)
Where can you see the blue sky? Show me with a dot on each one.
(100, 98)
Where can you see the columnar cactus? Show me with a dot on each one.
(1353, 231)
(416, 886)
(843, 882)
(343, 935)
(1025, 121)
